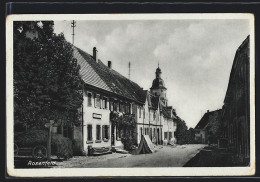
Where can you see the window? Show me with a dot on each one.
(165, 135)
(154, 116)
(89, 99)
(97, 101)
(89, 132)
(111, 105)
(123, 108)
(140, 112)
(105, 103)
(118, 133)
(120, 107)
(144, 112)
(170, 135)
(101, 103)
(116, 106)
(98, 137)
(105, 132)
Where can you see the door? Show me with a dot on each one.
(158, 136)
(113, 134)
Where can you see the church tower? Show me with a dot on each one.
(158, 87)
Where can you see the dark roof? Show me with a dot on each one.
(204, 121)
(158, 83)
(165, 113)
(243, 47)
(99, 75)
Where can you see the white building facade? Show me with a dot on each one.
(107, 91)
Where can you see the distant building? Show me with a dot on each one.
(207, 129)
(236, 108)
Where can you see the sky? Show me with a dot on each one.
(195, 56)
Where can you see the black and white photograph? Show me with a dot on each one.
(147, 94)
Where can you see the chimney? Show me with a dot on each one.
(109, 64)
(95, 54)
(207, 111)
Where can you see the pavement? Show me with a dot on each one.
(165, 156)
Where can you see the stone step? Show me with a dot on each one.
(119, 150)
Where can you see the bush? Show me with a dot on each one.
(61, 146)
(128, 142)
(31, 138)
(77, 148)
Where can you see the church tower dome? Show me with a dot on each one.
(158, 87)
(158, 82)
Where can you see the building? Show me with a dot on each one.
(236, 108)
(207, 129)
(107, 91)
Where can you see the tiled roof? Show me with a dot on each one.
(88, 74)
(99, 75)
(202, 124)
(166, 113)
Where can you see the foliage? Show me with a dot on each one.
(123, 121)
(183, 134)
(47, 84)
(31, 138)
(61, 146)
(180, 131)
(128, 142)
(126, 123)
(190, 136)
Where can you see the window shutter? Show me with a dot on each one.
(108, 131)
(103, 131)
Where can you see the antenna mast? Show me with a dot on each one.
(129, 66)
(73, 25)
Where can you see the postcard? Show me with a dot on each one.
(130, 95)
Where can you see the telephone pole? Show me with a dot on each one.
(73, 25)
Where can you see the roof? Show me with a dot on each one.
(158, 83)
(243, 47)
(204, 121)
(165, 113)
(99, 75)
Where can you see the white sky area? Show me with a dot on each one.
(195, 56)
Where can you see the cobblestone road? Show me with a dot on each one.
(165, 156)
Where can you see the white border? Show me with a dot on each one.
(167, 171)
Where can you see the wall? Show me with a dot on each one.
(236, 111)
(88, 112)
(200, 136)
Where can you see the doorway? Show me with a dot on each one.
(113, 135)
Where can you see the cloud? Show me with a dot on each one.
(195, 56)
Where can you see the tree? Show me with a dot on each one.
(181, 131)
(183, 134)
(47, 84)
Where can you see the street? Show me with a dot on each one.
(165, 156)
